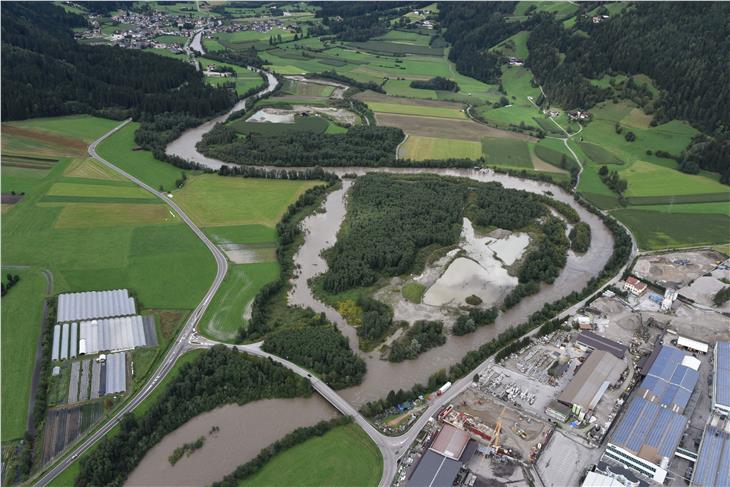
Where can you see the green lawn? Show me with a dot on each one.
(119, 149)
(22, 312)
(420, 148)
(342, 456)
(225, 315)
(506, 152)
(413, 292)
(213, 200)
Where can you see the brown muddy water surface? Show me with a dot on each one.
(244, 432)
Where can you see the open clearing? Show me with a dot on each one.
(338, 457)
(91, 169)
(419, 148)
(212, 200)
(647, 179)
(22, 312)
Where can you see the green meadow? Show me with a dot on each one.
(420, 148)
(22, 313)
(338, 457)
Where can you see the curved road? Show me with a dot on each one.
(391, 448)
(181, 343)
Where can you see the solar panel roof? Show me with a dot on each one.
(670, 382)
(722, 377)
(713, 460)
(648, 424)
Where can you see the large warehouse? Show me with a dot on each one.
(650, 430)
(94, 304)
(441, 463)
(713, 460)
(598, 372)
(721, 382)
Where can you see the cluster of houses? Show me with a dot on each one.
(579, 115)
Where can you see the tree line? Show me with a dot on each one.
(10, 281)
(475, 318)
(438, 83)
(420, 337)
(218, 376)
(319, 347)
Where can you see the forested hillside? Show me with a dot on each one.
(46, 72)
(683, 47)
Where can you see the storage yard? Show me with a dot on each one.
(635, 385)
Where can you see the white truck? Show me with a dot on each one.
(443, 389)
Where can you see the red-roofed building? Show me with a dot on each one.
(635, 286)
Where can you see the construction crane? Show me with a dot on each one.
(498, 429)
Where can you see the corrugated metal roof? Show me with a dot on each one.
(434, 470)
(722, 374)
(648, 424)
(597, 342)
(94, 304)
(713, 460)
(74, 340)
(450, 442)
(588, 384)
(64, 341)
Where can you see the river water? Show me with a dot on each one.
(243, 432)
(321, 230)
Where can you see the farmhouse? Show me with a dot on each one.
(634, 286)
(578, 115)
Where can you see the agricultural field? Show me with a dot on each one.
(515, 46)
(418, 148)
(507, 152)
(172, 39)
(212, 200)
(419, 110)
(336, 458)
(22, 313)
(239, 215)
(106, 233)
(120, 149)
(655, 230)
(299, 88)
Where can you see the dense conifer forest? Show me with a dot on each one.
(47, 73)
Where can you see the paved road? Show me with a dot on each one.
(182, 340)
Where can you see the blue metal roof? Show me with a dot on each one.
(713, 460)
(671, 382)
(647, 423)
(722, 378)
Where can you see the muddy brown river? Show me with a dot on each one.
(242, 432)
(321, 231)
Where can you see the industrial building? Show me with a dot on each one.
(591, 341)
(442, 462)
(116, 373)
(600, 370)
(713, 460)
(557, 411)
(650, 430)
(692, 345)
(721, 381)
(94, 304)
